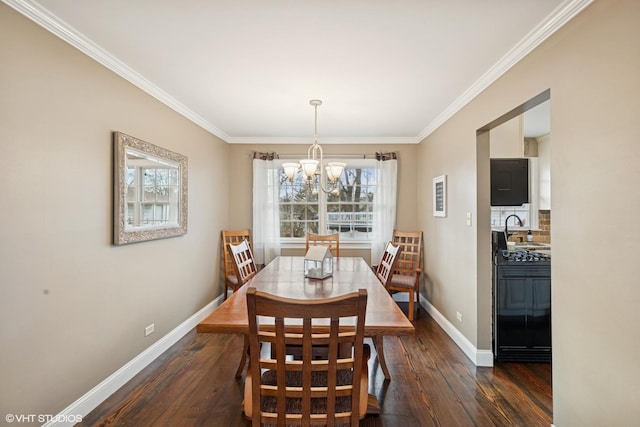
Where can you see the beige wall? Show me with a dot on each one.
(592, 67)
(58, 107)
(240, 201)
(73, 308)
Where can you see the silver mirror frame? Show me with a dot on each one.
(122, 235)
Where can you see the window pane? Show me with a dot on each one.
(149, 176)
(285, 212)
(311, 212)
(162, 193)
(131, 176)
(149, 194)
(349, 212)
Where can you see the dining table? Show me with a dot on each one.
(284, 276)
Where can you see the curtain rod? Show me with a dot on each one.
(377, 156)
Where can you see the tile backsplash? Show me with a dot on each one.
(543, 235)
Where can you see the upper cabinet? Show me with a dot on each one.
(544, 172)
(509, 182)
(508, 141)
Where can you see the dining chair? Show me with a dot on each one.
(406, 277)
(331, 240)
(232, 237)
(388, 262)
(244, 264)
(245, 269)
(329, 391)
(384, 271)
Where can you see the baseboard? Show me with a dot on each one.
(478, 357)
(94, 397)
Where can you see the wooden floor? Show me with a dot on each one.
(433, 384)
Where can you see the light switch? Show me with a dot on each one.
(468, 218)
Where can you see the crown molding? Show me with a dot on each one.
(560, 16)
(58, 27)
(324, 140)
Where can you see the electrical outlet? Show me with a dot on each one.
(459, 316)
(149, 329)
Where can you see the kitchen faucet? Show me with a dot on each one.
(506, 226)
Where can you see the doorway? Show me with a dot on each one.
(485, 262)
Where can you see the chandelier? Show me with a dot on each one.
(313, 168)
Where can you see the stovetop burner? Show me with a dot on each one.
(523, 256)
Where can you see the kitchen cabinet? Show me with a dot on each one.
(508, 141)
(522, 312)
(544, 172)
(509, 182)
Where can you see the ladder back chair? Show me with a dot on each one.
(388, 263)
(331, 240)
(329, 391)
(384, 271)
(243, 263)
(406, 277)
(245, 269)
(232, 237)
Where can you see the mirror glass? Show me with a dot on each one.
(150, 199)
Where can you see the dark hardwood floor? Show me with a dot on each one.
(433, 384)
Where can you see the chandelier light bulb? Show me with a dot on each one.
(290, 170)
(314, 160)
(334, 170)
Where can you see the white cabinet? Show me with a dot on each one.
(544, 172)
(506, 140)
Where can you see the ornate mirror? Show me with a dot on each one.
(150, 191)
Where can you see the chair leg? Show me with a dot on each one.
(378, 343)
(243, 358)
(411, 298)
(226, 291)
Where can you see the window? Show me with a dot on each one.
(500, 213)
(157, 192)
(349, 213)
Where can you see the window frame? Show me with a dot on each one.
(323, 203)
(143, 187)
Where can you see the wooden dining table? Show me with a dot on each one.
(284, 276)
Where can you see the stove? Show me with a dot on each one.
(520, 256)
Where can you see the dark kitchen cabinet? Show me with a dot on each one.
(509, 182)
(522, 309)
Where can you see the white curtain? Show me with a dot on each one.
(384, 206)
(266, 216)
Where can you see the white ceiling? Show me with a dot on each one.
(388, 72)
